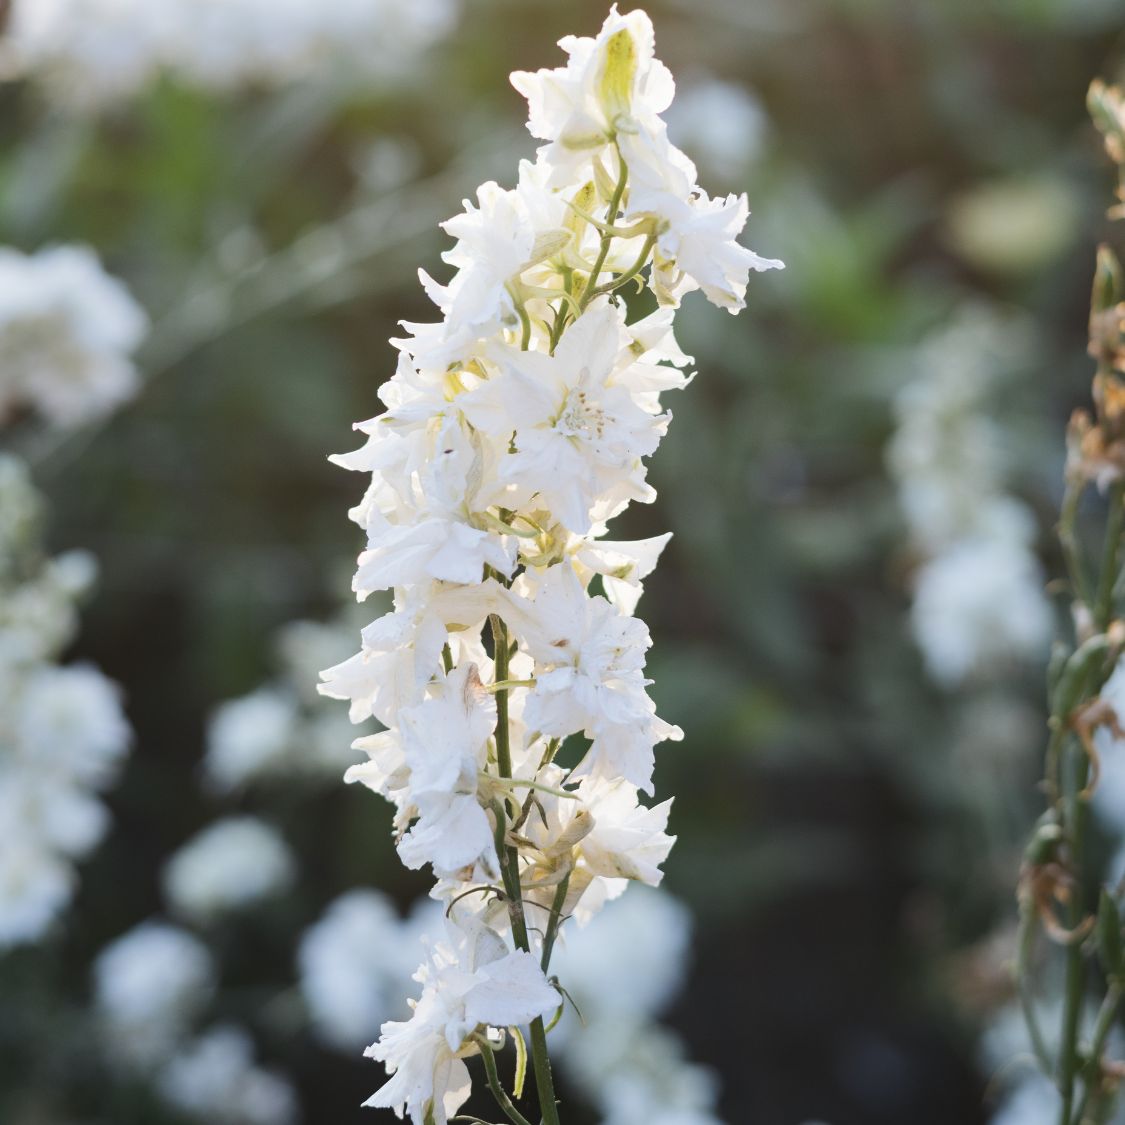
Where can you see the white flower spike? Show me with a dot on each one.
(516, 428)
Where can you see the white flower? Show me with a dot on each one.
(444, 741)
(629, 963)
(589, 659)
(470, 982)
(93, 52)
(507, 232)
(215, 1080)
(578, 434)
(19, 509)
(66, 331)
(231, 864)
(35, 886)
(148, 984)
(611, 85)
(354, 967)
(979, 604)
(515, 430)
(249, 737)
(70, 721)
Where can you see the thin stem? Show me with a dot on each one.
(497, 1088)
(1068, 537)
(1106, 1016)
(1027, 1001)
(631, 272)
(525, 320)
(1103, 603)
(553, 924)
(603, 251)
(509, 863)
(1074, 999)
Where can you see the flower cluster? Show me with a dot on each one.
(66, 332)
(515, 429)
(978, 593)
(623, 970)
(90, 52)
(62, 730)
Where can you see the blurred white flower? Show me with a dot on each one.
(1034, 1101)
(148, 984)
(231, 864)
(979, 598)
(70, 720)
(720, 125)
(35, 884)
(90, 52)
(63, 734)
(67, 330)
(215, 1080)
(355, 965)
(623, 970)
(631, 960)
(979, 605)
(248, 738)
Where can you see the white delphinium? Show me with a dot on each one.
(67, 330)
(979, 601)
(514, 430)
(93, 52)
(63, 733)
(148, 985)
(230, 865)
(215, 1080)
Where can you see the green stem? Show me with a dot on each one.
(555, 922)
(1106, 1015)
(1103, 603)
(1068, 537)
(509, 864)
(1027, 1001)
(603, 251)
(1075, 823)
(496, 1086)
(1075, 962)
(631, 272)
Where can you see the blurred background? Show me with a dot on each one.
(850, 623)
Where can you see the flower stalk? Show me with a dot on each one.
(1085, 706)
(516, 429)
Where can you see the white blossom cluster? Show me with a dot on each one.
(62, 730)
(66, 333)
(150, 987)
(623, 970)
(979, 600)
(515, 429)
(93, 52)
